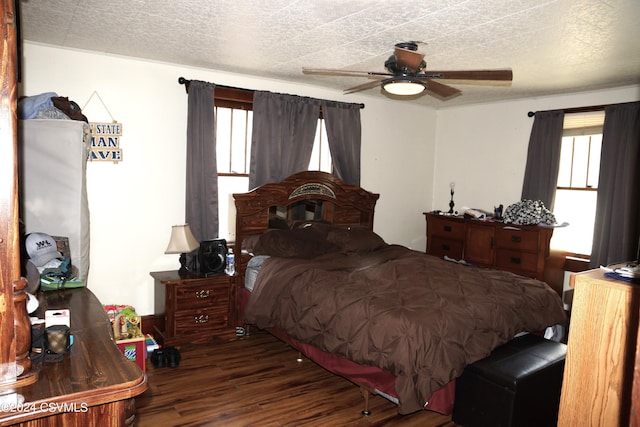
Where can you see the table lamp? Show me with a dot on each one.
(182, 242)
(452, 203)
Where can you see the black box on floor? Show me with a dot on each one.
(517, 385)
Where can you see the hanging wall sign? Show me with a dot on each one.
(105, 142)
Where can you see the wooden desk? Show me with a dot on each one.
(94, 384)
(601, 352)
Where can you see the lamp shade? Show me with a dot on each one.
(182, 240)
(404, 86)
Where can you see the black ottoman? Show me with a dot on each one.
(518, 384)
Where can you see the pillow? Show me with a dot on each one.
(320, 226)
(355, 240)
(278, 223)
(296, 243)
(250, 242)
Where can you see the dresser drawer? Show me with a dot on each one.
(445, 227)
(520, 240)
(517, 261)
(201, 295)
(440, 247)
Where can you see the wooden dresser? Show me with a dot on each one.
(93, 385)
(602, 354)
(195, 307)
(522, 249)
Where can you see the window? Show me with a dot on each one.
(321, 156)
(233, 140)
(233, 126)
(577, 188)
(233, 143)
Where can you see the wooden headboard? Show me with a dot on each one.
(302, 196)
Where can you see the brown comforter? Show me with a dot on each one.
(419, 317)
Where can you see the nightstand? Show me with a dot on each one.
(195, 307)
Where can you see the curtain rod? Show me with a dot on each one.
(577, 109)
(185, 82)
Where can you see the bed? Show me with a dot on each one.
(394, 321)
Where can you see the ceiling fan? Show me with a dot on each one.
(407, 75)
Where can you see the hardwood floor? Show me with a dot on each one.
(256, 381)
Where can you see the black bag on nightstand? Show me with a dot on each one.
(212, 256)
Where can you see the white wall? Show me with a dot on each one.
(397, 157)
(483, 148)
(134, 203)
(410, 154)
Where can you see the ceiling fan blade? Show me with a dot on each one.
(338, 72)
(363, 86)
(496, 75)
(441, 90)
(408, 58)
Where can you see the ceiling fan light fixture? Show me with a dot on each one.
(404, 86)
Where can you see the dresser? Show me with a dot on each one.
(522, 249)
(602, 354)
(195, 307)
(94, 384)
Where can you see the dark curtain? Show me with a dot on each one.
(284, 128)
(617, 223)
(202, 174)
(543, 157)
(344, 136)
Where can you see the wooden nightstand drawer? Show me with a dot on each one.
(197, 321)
(516, 261)
(521, 240)
(201, 295)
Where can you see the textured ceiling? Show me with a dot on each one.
(552, 46)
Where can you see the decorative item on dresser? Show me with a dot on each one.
(521, 249)
(452, 203)
(195, 307)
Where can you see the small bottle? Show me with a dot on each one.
(231, 263)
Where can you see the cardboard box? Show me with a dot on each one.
(134, 349)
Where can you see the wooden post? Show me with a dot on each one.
(9, 252)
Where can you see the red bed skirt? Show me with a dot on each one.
(372, 377)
